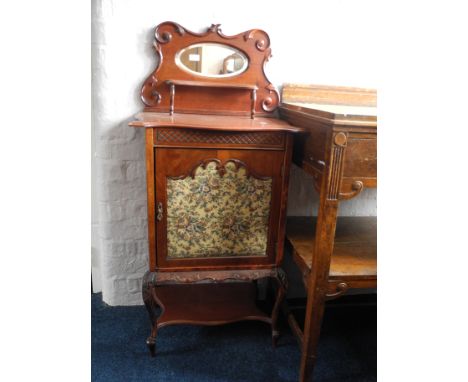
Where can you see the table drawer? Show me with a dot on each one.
(361, 158)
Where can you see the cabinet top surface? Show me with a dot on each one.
(337, 114)
(333, 105)
(341, 110)
(212, 122)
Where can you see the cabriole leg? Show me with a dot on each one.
(153, 308)
(282, 286)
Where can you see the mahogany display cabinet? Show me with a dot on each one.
(218, 164)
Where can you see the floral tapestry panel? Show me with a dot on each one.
(211, 215)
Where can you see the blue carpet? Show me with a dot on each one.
(230, 353)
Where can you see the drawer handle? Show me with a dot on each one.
(160, 212)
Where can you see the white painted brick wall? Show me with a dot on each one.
(122, 58)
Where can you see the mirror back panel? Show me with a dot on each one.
(213, 73)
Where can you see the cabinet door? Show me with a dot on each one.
(217, 207)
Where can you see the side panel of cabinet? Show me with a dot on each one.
(217, 207)
(150, 194)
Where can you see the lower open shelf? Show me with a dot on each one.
(208, 304)
(355, 246)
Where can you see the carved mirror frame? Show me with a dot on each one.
(172, 89)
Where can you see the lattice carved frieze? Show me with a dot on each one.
(186, 136)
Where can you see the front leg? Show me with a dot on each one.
(153, 308)
(282, 286)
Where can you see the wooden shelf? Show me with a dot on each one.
(355, 250)
(209, 304)
(212, 84)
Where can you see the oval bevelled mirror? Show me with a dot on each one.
(212, 60)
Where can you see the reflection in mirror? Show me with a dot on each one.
(212, 60)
